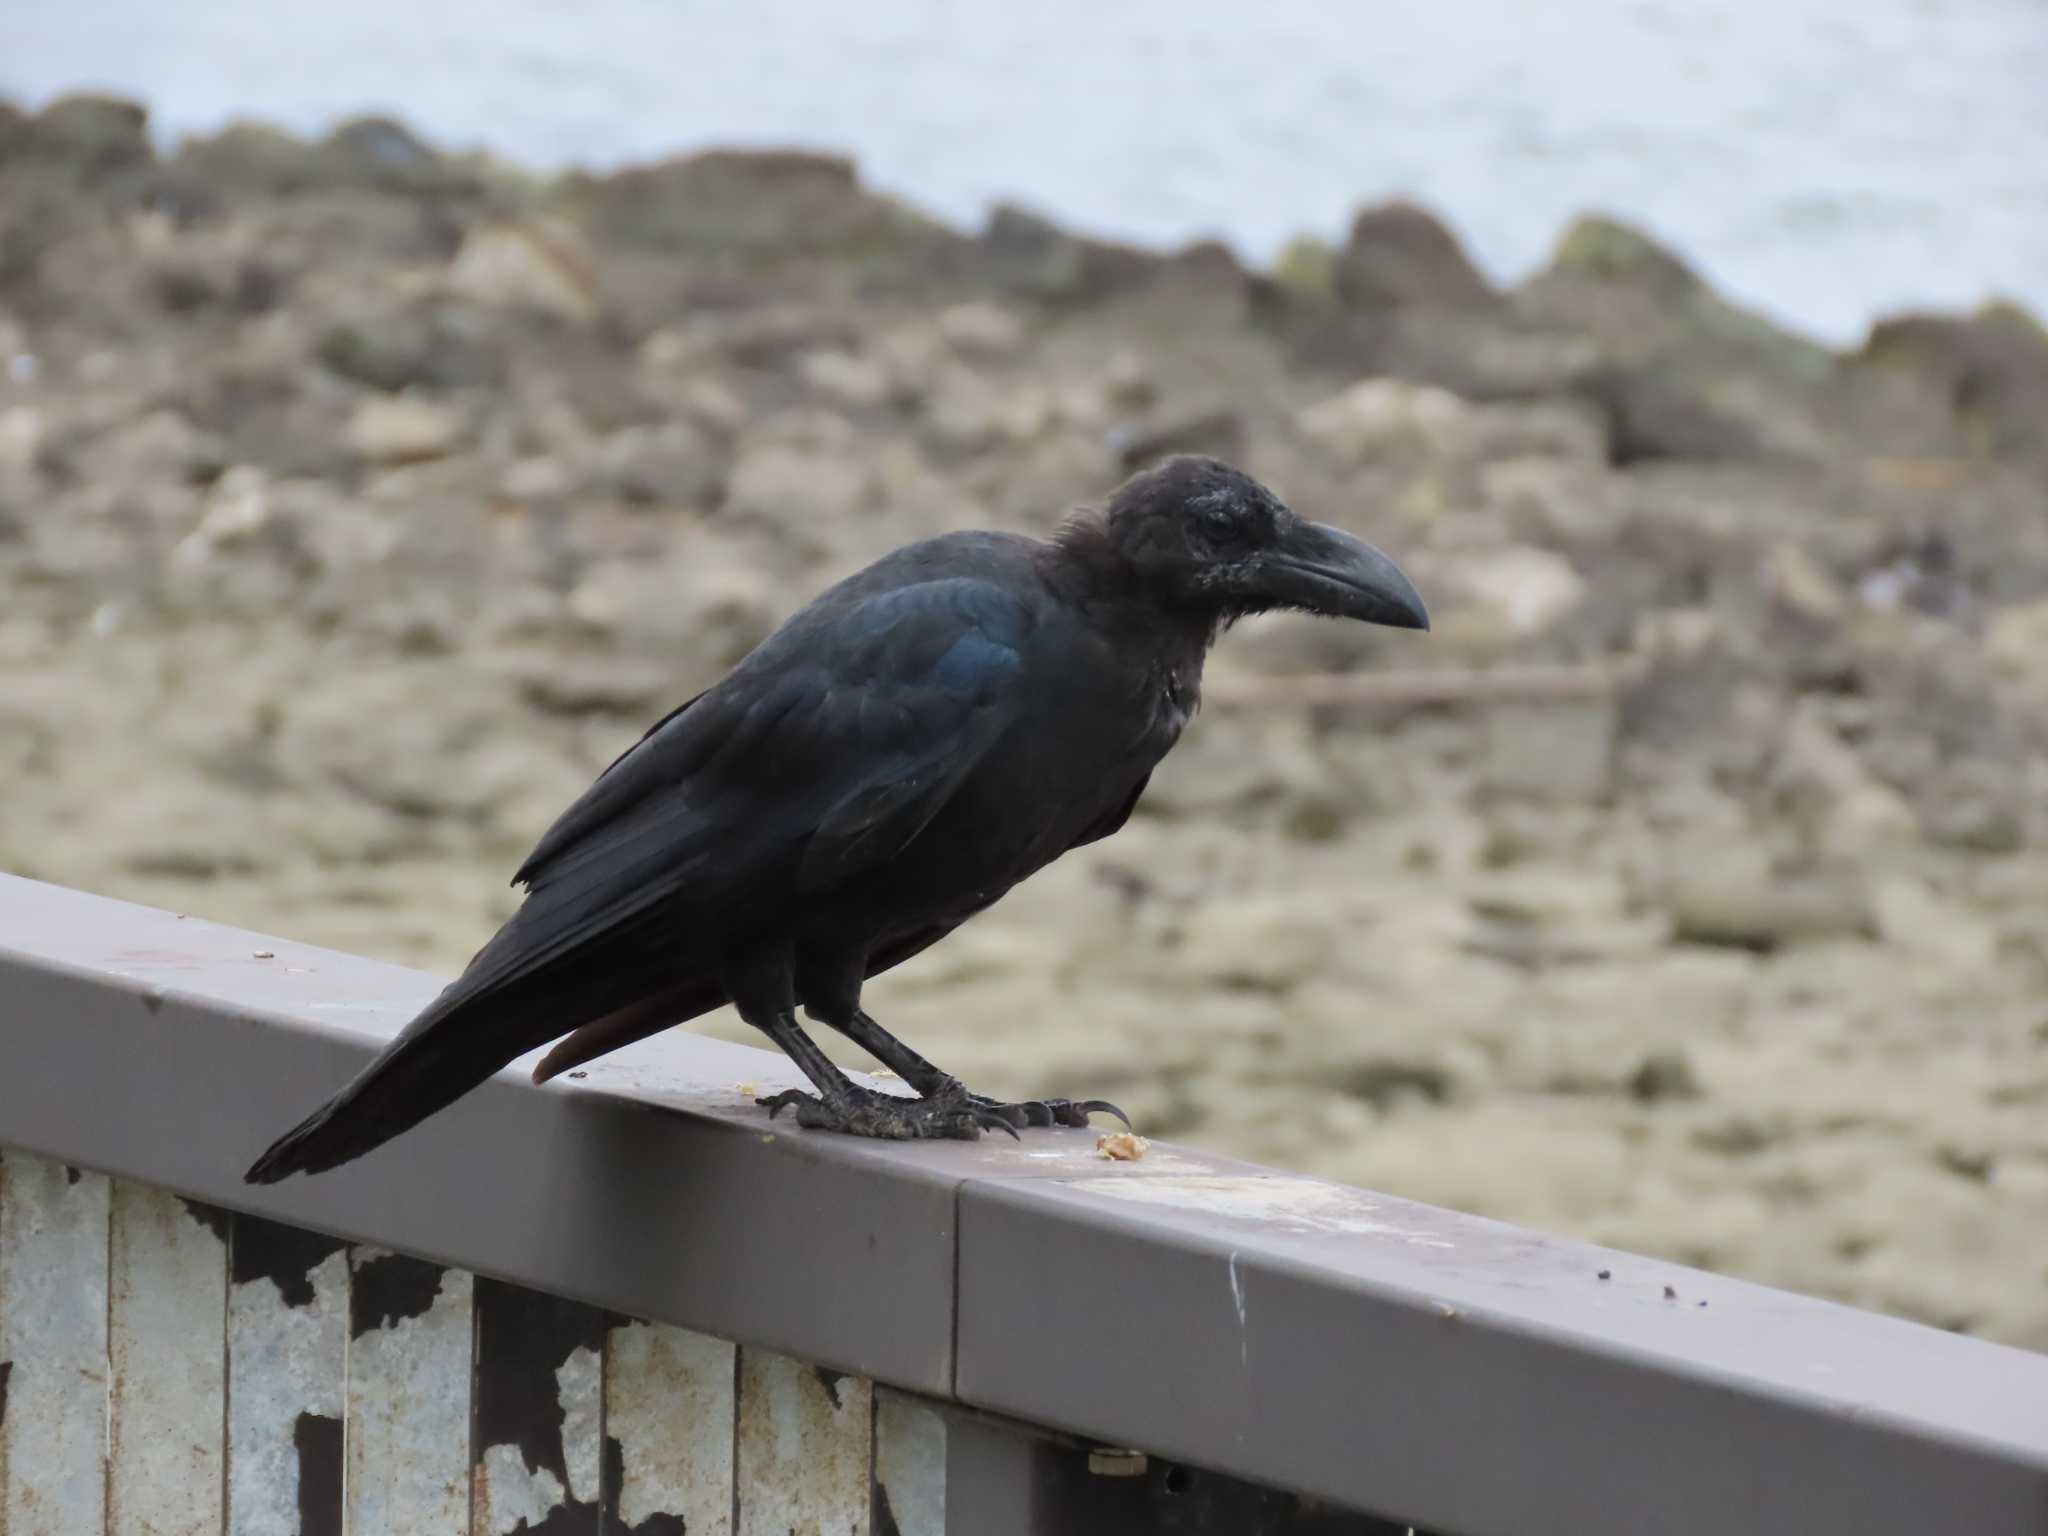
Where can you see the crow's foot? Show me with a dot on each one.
(947, 1089)
(887, 1117)
(1041, 1112)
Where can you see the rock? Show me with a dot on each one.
(981, 330)
(380, 152)
(1978, 806)
(1204, 267)
(582, 685)
(771, 337)
(1528, 589)
(734, 609)
(1800, 585)
(1682, 374)
(1910, 915)
(1737, 901)
(714, 404)
(1559, 752)
(673, 465)
(1556, 501)
(1399, 254)
(91, 135)
(1127, 383)
(1307, 268)
(1213, 776)
(1035, 257)
(1667, 411)
(850, 380)
(2015, 639)
(1822, 783)
(1390, 422)
(968, 414)
(238, 507)
(1561, 430)
(538, 477)
(1264, 944)
(21, 437)
(1917, 575)
(1381, 421)
(243, 162)
(741, 210)
(1545, 896)
(1608, 251)
(799, 485)
(160, 445)
(536, 264)
(213, 268)
(1664, 1075)
(1992, 369)
(418, 760)
(405, 429)
(440, 347)
(1139, 443)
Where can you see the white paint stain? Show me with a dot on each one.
(1292, 1204)
(53, 1327)
(283, 1361)
(167, 1352)
(510, 1494)
(669, 1404)
(408, 1415)
(579, 1387)
(910, 1465)
(804, 1449)
(1244, 1343)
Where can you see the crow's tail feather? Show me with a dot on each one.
(478, 1024)
(454, 1045)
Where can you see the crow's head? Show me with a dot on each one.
(1201, 535)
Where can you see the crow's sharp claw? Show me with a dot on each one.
(775, 1104)
(1089, 1107)
(1045, 1112)
(995, 1121)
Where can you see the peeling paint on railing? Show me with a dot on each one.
(53, 1338)
(169, 1369)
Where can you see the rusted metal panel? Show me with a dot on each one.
(910, 1467)
(805, 1448)
(668, 1401)
(53, 1348)
(409, 1348)
(167, 1288)
(287, 1362)
(539, 1412)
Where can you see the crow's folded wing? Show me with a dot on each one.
(812, 762)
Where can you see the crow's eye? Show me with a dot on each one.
(1218, 524)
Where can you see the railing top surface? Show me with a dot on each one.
(1457, 1372)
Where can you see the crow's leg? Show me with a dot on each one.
(930, 1083)
(839, 1105)
(765, 999)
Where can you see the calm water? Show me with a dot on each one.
(1822, 159)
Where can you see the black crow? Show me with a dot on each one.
(885, 765)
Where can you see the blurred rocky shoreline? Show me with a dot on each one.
(358, 502)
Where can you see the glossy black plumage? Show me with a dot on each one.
(901, 752)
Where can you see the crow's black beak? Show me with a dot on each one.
(1325, 570)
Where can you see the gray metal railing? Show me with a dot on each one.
(587, 1305)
